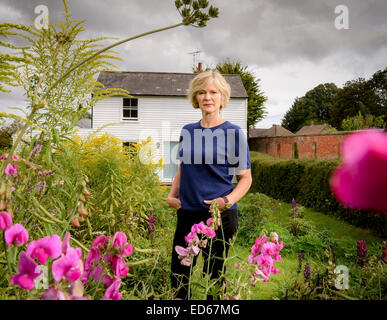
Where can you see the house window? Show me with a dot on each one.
(131, 147)
(130, 109)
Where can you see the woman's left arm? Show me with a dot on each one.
(243, 185)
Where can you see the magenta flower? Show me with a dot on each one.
(11, 170)
(16, 234)
(69, 266)
(360, 181)
(5, 220)
(119, 241)
(100, 242)
(28, 271)
(44, 248)
(112, 292)
(53, 294)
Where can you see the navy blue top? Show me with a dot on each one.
(210, 158)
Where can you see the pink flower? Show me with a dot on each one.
(66, 245)
(360, 181)
(44, 248)
(69, 266)
(11, 170)
(28, 271)
(182, 252)
(118, 266)
(16, 234)
(53, 294)
(119, 241)
(112, 292)
(100, 242)
(5, 220)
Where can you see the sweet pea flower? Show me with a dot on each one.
(44, 248)
(100, 242)
(16, 234)
(119, 241)
(53, 294)
(69, 266)
(66, 245)
(360, 181)
(11, 170)
(112, 292)
(28, 271)
(5, 220)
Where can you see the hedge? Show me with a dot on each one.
(307, 181)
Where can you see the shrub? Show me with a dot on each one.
(307, 180)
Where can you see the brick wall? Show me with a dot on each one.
(317, 146)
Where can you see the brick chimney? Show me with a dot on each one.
(200, 67)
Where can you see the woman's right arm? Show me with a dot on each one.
(173, 197)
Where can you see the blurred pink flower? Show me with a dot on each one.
(360, 181)
(53, 294)
(100, 242)
(11, 170)
(44, 248)
(112, 291)
(5, 220)
(69, 266)
(16, 234)
(119, 241)
(28, 271)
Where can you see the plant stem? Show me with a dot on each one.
(9, 264)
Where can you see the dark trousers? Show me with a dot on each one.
(219, 249)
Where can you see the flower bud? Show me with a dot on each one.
(3, 205)
(82, 212)
(75, 222)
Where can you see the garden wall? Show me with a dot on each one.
(316, 146)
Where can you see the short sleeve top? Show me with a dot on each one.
(210, 158)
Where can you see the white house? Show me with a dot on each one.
(159, 108)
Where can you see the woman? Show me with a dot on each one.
(211, 152)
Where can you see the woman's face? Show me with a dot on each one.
(209, 98)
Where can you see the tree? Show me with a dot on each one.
(314, 107)
(256, 98)
(362, 122)
(378, 83)
(356, 96)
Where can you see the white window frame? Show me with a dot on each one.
(129, 119)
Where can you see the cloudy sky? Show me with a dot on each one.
(291, 45)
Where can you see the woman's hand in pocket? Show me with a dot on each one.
(174, 202)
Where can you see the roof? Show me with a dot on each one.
(84, 123)
(275, 131)
(161, 83)
(313, 129)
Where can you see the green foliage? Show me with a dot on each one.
(308, 181)
(362, 122)
(256, 98)
(356, 96)
(314, 106)
(193, 14)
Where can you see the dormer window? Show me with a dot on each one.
(130, 109)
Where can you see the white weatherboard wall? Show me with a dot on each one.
(162, 118)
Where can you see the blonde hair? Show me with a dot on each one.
(205, 78)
